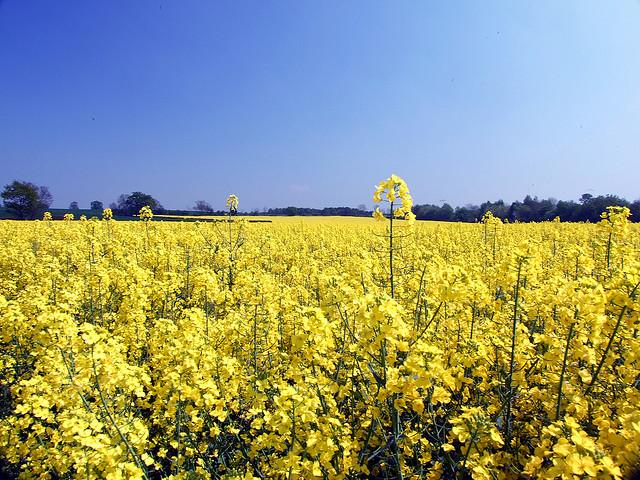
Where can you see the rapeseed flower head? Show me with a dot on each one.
(232, 203)
(616, 218)
(145, 213)
(394, 188)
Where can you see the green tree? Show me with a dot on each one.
(132, 203)
(26, 200)
(203, 206)
(96, 205)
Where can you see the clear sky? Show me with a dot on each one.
(310, 103)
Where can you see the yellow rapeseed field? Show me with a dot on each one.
(320, 349)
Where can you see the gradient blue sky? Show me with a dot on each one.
(312, 103)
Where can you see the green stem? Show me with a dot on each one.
(255, 348)
(564, 369)
(391, 252)
(124, 439)
(513, 353)
(471, 444)
(395, 424)
(609, 250)
(613, 335)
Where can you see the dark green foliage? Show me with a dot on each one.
(530, 209)
(203, 206)
(132, 203)
(26, 200)
(319, 212)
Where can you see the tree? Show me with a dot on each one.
(132, 203)
(566, 210)
(96, 205)
(635, 211)
(203, 206)
(25, 199)
(74, 206)
(585, 197)
(468, 213)
(592, 207)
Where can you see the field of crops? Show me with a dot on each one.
(329, 349)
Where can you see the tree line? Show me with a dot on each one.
(28, 201)
(25, 200)
(531, 209)
(317, 212)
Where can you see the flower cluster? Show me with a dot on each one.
(391, 190)
(145, 213)
(133, 350)
(489, 219)
(616, 218)
(232, 203)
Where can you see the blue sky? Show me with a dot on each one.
(312, 103)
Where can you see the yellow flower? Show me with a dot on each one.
(391, 195)
(395, 187)
(377, 198)
(378, 215)
(145, 213)
(440, 395)
(190, 351)
(232, 203)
